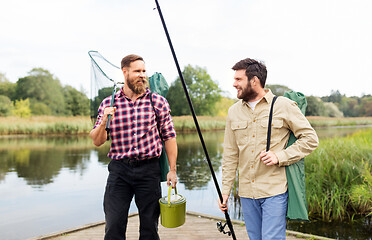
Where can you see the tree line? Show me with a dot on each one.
(334, 105)
(41, 93)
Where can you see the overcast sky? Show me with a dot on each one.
(310, 46)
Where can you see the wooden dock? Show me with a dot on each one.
(197, 227)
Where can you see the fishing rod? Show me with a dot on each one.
(96, 54)
(228, 220)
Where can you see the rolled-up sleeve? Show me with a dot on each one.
(165, 119)
(100, 113)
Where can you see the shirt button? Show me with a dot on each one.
(252, 181)
(252, 151)
(252, 166)
(254, 120)
(253, 136)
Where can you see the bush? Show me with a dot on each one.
(22, 108)
(5, 105)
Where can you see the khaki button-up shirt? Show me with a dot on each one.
(245, 139)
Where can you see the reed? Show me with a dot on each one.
(186, 123)
(335, 174)
(44, 125)
(332, 121)
(49, 125)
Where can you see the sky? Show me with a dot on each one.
(312, 47)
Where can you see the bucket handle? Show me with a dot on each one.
(169, 193)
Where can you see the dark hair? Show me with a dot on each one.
(252, 68)
(126, 61)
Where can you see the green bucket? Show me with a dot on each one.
(172, 209)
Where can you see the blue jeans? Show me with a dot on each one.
(124, 182)
(265, 218)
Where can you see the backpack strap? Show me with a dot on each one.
(269, 126)
(156, 117)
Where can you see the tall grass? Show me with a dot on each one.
(187, 124)
(45, 125)
(338, 177)
(333, 121)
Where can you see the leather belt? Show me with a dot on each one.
(136, 163)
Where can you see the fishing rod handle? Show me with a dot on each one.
(108, 123)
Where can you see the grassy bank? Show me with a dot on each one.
(186, 123)
(338, 177)
(44, 125)
(329, 122)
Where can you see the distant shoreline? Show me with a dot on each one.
(53, 125)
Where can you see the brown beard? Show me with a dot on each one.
(136, 87)
(248, 93)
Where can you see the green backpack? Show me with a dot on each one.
(159, 85)
(297, 204)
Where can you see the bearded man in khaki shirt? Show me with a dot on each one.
(262, 178)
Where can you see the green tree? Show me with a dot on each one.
(22, 108)
(39, 108)
(203, 91)
(102, 94)
(43, 87)
(77, 103)
(335, 97)
(366, 106)
(315, 106)
(223, 106)
(5, 106)
(332, 110)
(278, 90)
(350, 106)
(6, 87)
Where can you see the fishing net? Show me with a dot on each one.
(105, 79)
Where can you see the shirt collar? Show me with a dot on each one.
(121, 93)
(268, 97)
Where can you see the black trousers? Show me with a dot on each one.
(126, 180)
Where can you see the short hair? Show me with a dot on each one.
(252, 68)
(126, 61)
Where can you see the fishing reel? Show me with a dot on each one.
(221, 228)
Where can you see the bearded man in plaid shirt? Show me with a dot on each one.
(135, 150)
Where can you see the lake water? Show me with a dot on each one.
(49, 184)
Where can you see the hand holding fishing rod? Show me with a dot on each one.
(228, 221)
(109, 112)
(108, 123)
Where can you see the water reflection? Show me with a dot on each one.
(192, 168)
(39, 160)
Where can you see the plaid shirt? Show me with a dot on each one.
(134, 130)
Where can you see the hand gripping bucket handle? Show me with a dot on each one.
(172, 214)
